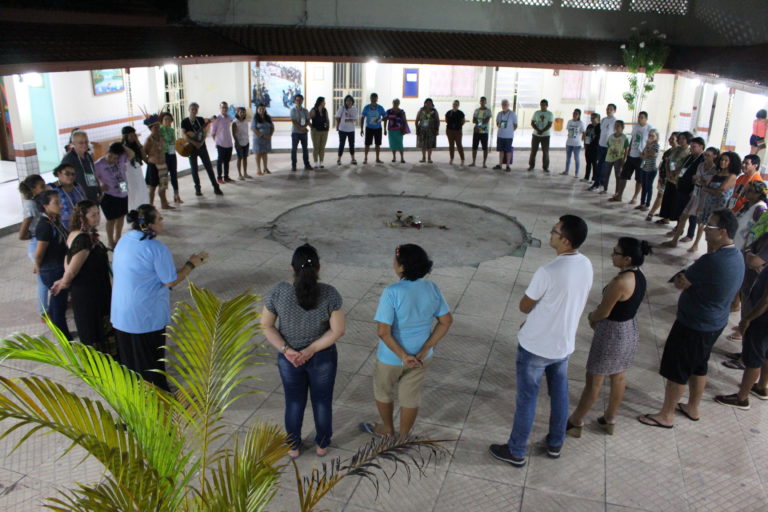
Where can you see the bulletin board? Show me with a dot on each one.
(410, 82)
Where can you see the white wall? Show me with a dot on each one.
(745, 106)
(210, 84)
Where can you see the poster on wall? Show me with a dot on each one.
(107, 81)
(275, 84)
(411, 83)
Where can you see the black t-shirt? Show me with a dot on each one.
(685, 181)
(56, 236)
(197, 126)
(454, 120)
(85, 174)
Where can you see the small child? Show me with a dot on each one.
(618, 147)
(29, 187)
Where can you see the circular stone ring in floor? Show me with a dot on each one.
(356, 230)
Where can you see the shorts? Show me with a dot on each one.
(630, 166)
(756, 141)
(480, 138)
(754, 351)
(503, 145)
(686, 353)
(242, 151)
(114, 207)
(410, 382)
(372, 134)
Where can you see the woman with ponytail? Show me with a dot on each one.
(144, 273)
(405, 317)
(616, 334)
(311, 321)
(87, 276)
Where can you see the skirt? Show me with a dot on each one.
(669, 202)
(262, 145)
(114, 207)
(426, 139)
(614, 346)
(395, 140)
(137, 188)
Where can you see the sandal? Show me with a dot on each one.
(573, 430)
(685, 413)
(648, 420)
(732, 355)
(367, 427)
(662, 221)
(607, 427)
(734, 364)
(354, 162)
(648, 218)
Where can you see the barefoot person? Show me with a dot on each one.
(405, 316)
(708, 287)
(616, 335)
(310, 322)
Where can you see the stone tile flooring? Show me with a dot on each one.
(719, 463)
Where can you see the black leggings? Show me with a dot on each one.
(170, 162)
(91, 311)
(342, 137)
(590, 155)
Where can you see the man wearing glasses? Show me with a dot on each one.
(708, 286)
(554, 302)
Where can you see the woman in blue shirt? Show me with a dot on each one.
(406, 338)
(143, 276)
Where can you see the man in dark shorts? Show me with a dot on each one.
(754, 329)
(702, 313)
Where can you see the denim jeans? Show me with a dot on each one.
(530, 369)
(602, 152)
(297, 138)
(647, 180)
(317, 377)
(42, 290)
(202, 153)
(572, 151)
(57, 308)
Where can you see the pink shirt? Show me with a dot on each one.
(221, 129)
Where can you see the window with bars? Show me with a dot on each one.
(174, 95)
(679, 7)
(595, 5)
(540, 3)
(347, 79)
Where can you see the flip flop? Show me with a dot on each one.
(367, 427)
(734, 337)
(684, 413)
(653, 422)
(734, 364)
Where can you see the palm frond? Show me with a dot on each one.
(245, 480)
(366, 463)
(143, 408)
(212, 346)
(41, 404)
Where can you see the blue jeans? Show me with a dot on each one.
(297, 138)
(316, 376)
(647, 180)
(57, 308)
(575, 151)
(42, 290)
(530, 369)
(602, 152)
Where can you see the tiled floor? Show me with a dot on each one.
(719, 463)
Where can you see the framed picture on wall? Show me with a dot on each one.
(410, 82)
(107, 81)
(275, 84)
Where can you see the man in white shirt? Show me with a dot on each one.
(606, 130)
(554, 302)
(635, 159)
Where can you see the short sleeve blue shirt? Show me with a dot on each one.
(409, 307)
(373, 116)
(140, 298)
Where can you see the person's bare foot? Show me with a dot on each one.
(321, 452)
(654, 420)
(686, 239)
(294, 453)
(693, 248)
(669, 243)
(685, 409)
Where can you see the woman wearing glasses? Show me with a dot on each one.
(616, 334)
(70, 192)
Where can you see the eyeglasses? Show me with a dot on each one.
(708, 226)
(617, 253)
(555, 232)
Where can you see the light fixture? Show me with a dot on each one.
(171, 68)
(695, 82)
(721, 87)
(31, 79)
